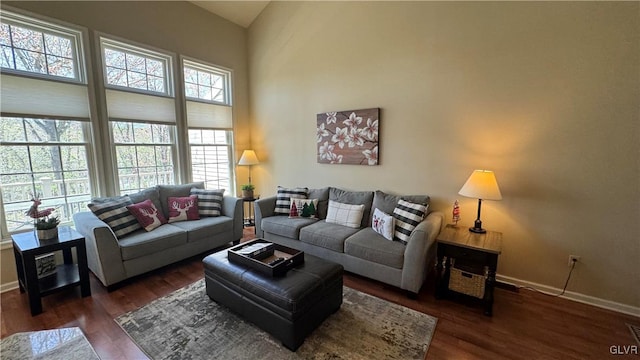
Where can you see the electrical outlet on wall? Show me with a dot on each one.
(573, 259)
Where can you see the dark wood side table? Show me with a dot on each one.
(250, 219)
(475, 250)
(26, 247)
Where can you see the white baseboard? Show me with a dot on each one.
(574, 296)
(9, 286)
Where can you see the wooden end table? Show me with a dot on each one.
(26, 247)
(250, 219)
(476, 250)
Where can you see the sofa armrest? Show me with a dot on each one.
(416, 255)
(263, 208)
(232, 207)
(103, 251)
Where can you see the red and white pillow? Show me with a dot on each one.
(383, 224)
(147, 214)
(183, 208)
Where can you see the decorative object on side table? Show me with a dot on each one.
(46, 225)
(456, 213)
(481, 185)
(247, 191)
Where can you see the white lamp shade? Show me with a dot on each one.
(481, 184)
(248, 158)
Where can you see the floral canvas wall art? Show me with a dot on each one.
(348, 137)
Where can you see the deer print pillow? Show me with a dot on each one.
(183, 208)
(147, 214)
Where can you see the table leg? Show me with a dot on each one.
(442, 276)
(83, 270)
(66, 256)
(488, 292)
(33, 287)
(19, 268)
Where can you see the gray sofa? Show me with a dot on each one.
(114, 259)
(361, 251)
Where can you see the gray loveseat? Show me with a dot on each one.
(114, 259)
(361, 251)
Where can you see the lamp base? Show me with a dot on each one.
(477, 225)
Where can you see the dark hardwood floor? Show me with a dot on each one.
(525, 324)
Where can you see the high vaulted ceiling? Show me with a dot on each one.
(240, 12)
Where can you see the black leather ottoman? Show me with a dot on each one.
(288, 307)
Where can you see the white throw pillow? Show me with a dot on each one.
(345, 214)
(383, 224)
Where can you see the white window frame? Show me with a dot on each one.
(229, 148)
(46, 200)
(172, 145)
(48, 27)
(216, 70)
(146, 52)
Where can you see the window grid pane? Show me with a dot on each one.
(144, 155)
(57, 170)
(210, 158)
(37, 51)
(135, 68)
(206, 83)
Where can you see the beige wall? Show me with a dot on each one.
(544, 94)
(178, 27)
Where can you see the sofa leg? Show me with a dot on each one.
(236, 242)
(411, 295)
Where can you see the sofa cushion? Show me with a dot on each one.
(408, 215)
(175, 191)
(355, 198)
(326, 235)
(209, 201)
(283, 198)
(368, 245)
(383, 224)
(143, 243)
(387, 202)
(151, 193)
(345, 214)
(205, 227)
(304, 208)
(284, 226)
(323, 200)
(114, 212)
(147, 214)
(183, 208)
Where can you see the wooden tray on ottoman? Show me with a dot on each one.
(272, 259)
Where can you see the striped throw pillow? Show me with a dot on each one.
(116, 215)
(283, 198)
(408, 215)
(209, 201)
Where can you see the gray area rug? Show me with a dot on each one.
(187, 324)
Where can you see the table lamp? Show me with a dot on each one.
(248, 158)
(481, 185)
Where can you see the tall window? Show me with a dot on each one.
(44, 157)
(209, 117)
(210, 157)
(143, 154)
(141, 111)
(44, 121)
